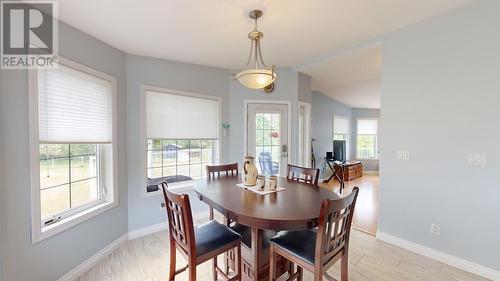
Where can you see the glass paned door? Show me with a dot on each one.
(267, 137)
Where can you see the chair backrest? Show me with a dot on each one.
(217, 169)
(334, 228)
(180, 220)
(265, 162)
(303, 174)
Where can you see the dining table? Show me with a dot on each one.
(295, 206)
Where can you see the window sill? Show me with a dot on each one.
(69, 222)
(177, 187)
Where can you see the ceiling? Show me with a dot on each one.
(352, 77)
(214, 32)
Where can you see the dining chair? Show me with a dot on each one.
(318, 249)
(231, 170)
(307, 175)
(197, 244)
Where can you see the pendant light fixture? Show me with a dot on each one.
(256, 75)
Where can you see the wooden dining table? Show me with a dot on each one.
(297, 206)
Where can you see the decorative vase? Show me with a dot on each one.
(249, 172)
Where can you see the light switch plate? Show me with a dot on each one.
(477, 159)
(403, 155)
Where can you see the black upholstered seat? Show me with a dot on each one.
(246, 235)
(300, 243)
(211, 236)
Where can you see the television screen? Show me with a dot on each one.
(339, 151)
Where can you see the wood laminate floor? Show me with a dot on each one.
(367, 205)
(146, 259)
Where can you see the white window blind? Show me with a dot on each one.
(74, 107)
(367, 126)
(173, 116)
(340, 125)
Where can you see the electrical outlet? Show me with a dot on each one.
(477, 159)
(435, 229)
(403, 155)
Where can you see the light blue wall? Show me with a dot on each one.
(305, 93)
(323, 108)
(50, 259)
(368, 165)
(440, 101)
(170, 75)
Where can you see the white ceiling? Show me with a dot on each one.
(214, 32)
(352, 77)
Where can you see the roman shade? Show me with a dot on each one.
(367, 126)
(74, 106)
(340, 125)
(176, 116)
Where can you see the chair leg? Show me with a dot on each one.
(301, 273)
(272, 263)
(214, 270)
(238, 261)
(192, 271)
(210, 213)
(344, 269)
(171, 274)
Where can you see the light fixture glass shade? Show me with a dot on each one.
(256, 78)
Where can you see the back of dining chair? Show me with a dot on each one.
(334, 228)
(302, 174)
(180, 220)
(217, 169)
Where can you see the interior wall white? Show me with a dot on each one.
(50, 259)
(368, 165)
(440, 101)
(3, 210)
(146, 211)
(286, 89)
(323, 109)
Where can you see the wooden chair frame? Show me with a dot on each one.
(310, 175)
(182, 239)
(332, 241)
(229, 169)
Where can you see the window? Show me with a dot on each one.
(366, 146)
(72, 138)
(182, 135)
(341, 130)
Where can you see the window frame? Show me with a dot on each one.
(75, 216)
(178, 186)
(376, 140)
(349, 133)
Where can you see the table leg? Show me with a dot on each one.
(256, 252)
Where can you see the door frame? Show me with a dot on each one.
(245, 124)
(307, 133)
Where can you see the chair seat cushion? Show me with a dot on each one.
(246, 235)
(300, 243)
(212, 235)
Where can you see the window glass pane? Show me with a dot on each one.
(83, 167)
(275, 121)
(366, 146)
(195, 171)
(54, 171)
(170, 148)
(154, 173)
(195, 151)
(183, 170)
(275, 137)
(268, 119)
(259, 121)
(53, 150)
(154, 158)
(169, 171)
(267, 137)
(259, 137)
(54, 200)
(275, 154)
(183, 152)
(83, 192)
(207, 155)
(154, 144)
(82, 149)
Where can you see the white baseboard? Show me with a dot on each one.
(95, 259)
(445, 258)
(374, 173)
